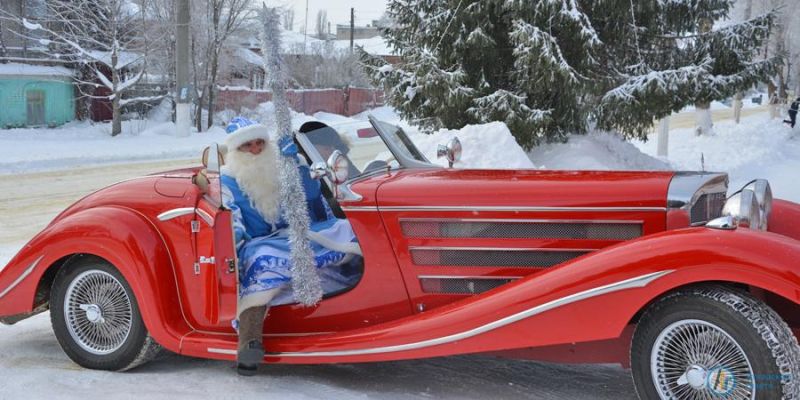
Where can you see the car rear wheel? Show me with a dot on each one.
(709, 343)
(96, 318)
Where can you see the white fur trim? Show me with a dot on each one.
(257, 299)
(349, 247)
(246, 134)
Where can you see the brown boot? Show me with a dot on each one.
(251, 350)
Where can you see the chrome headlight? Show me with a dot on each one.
(749, 207)
(763, 194)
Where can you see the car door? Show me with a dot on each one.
(213, 299)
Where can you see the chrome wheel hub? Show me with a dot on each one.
(694, 376)
(694, 359)
(93, 313)
(98, 312)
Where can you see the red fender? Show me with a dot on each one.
(570, 303)
(123, 237)
(784, 217)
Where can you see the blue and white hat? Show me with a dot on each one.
(242, 130)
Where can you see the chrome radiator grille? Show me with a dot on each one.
(492, 257)
(461, 285)
(707, 207)
(521, 229)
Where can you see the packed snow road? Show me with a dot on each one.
(32, 364)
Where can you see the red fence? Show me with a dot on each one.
(337, 101)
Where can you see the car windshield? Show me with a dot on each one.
(367, 149)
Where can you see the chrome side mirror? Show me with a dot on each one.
(318, 170)
(339, 170)
(451, 151)
(213, 159)
(208, 180)
(339, 167)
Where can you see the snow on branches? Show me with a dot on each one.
(101, 35)
(553, 67)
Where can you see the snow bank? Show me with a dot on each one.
(596, 151)
(486, 146)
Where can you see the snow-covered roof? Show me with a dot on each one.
(34, 70)
(250, 56)
(125, 57)
(376, 46)
(292, 42)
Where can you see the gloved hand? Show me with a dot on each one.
(287, 146)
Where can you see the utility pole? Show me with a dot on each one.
(182, 86)
(352, 26)
(305, 30)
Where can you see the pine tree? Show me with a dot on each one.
(549, 68)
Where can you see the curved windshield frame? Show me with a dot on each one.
(369, 146)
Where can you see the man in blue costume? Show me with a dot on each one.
(251, 190)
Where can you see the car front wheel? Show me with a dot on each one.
(96, 318)
(709, 343)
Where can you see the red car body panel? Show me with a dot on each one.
(187, 300)
(784, 217)
(452, 187)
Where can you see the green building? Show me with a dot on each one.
(35, 96)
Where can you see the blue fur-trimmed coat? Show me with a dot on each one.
(263, 247)
(248, 222)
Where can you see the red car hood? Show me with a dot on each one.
(531, 188)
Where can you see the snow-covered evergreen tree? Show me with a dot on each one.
(553, 67)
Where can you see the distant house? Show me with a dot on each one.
(248, 64)
(34, 95)
(359, 32)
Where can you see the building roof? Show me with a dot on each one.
(16, 69)
(250, 56)
(292, 43)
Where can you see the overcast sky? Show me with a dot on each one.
(338, 11)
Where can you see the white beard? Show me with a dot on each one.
(257, 176)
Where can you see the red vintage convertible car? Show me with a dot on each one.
(695, 290)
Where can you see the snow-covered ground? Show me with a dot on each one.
(32, 364)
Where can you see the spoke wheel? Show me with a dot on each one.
(96, 318)
(694, 359)
(711, 343)
(98, 312)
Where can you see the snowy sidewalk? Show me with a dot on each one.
(80, 144)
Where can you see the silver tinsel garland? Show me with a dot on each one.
(305, 280)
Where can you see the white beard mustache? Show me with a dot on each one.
(257, 176)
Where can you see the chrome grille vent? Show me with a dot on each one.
(492, 257)
(461, 285)
(523, 229)
(706, 208)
